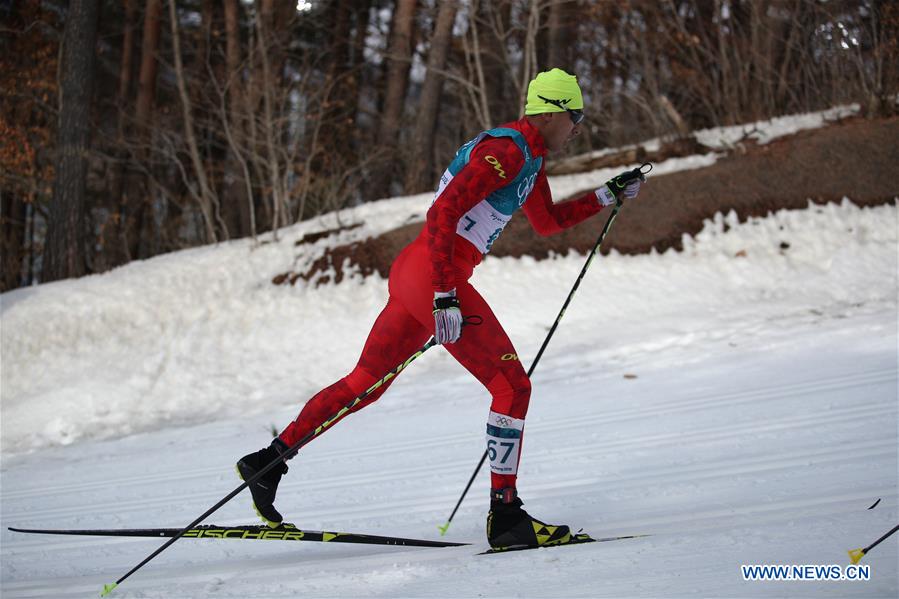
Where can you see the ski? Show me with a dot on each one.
(576, 539)
(285, 532)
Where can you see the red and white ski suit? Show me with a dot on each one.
(440, 260)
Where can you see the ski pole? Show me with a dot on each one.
(291, 451)
(635, 173)
(855, 555)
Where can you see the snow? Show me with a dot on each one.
(737, 401)
(763, 132)
(767, 130)
(204, 334)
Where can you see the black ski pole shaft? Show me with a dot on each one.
(474, 474)
(881, 539)
(291, 451)
(636, 173)
(856, 554)
(577, 283)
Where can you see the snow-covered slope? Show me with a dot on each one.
(760, 425)
(203, 334)
(737, 401)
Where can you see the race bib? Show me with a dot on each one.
(504, 442)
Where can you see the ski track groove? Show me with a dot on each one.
(865, 450)
(537, 458)
(417, 507)
(561, 487)
(547, 425)
(328, 564)
(668, 525)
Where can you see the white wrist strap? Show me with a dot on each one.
(605, 196)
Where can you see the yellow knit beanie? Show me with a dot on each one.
(553, 91)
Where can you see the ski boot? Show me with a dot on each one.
(510, 527)
(264, 489)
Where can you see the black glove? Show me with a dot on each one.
(626, 184)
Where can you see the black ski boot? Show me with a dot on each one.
(264, 489)
(510, 527)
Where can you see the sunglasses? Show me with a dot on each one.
(577, 116)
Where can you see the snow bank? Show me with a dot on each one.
(766, 131)
(203, 334)
(763, 132)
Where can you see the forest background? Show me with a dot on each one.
(134, 128)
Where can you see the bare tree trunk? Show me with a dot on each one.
(264, 26)
(237, 201)
(561, 35)
(208, 132)
(64, 254)
(878, 82)
(13, 220)
(339, 22)
(418, 177)
(682, 129)
(232, 42)
(692, 55)
(250, 97)
(204, 196)
(267, 54)
(499, 83)
(135, 202)
(237, 172)
(30, 274)
(127, 57)
(477, 89)
(357, 52)
(204, 36)
(337, 104)
(887, 55)
(112, 253)
(277, 16)
(529, 65)
(399, 61)
(782, 22)
(146, 93)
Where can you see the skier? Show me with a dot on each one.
(491, 176)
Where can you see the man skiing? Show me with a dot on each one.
(491, 176)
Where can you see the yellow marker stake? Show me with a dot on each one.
(857, 554)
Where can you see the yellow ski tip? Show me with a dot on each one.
(443, 529)
(107, 588)
(856, 555)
